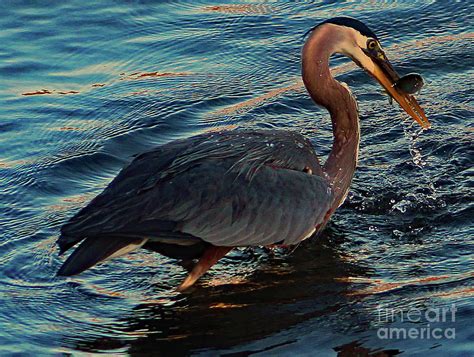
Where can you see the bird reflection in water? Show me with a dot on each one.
(310, 289)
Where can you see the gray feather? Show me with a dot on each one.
(228, 188)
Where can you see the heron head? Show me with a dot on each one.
(358, 42)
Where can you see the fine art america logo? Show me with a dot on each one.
(428, 323)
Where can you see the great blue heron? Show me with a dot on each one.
(199, 197)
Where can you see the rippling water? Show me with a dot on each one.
(85, 87)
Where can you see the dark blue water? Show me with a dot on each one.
(85, 86)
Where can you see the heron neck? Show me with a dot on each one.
(337, 99)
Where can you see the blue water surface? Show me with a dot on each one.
(87, 85)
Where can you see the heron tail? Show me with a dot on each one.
(94, 250)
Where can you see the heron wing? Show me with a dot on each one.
(277, 206)
(233, 188)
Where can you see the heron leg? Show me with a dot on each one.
(188, 264)
(209, 258)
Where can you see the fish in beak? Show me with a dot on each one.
(410, 83)
(386, 75)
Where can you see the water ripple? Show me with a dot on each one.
(85, 88)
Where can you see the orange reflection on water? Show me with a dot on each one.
(458, 293)
(227, 280)
(380, 286)
(38, 92)
(8, 164)
(428, 41)
(223, 305)
(123, 76)
(68, 128)
(219, 128)
(254, 101)
(251, 103)
(68, 92)
(140, 75)
(254, 9)
(67, 203)
(47, 91)
(103, 291)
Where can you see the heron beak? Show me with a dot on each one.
(386, 75)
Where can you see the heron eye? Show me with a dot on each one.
(371, 44)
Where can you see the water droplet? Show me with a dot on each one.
(397, 233)
(401, 206)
